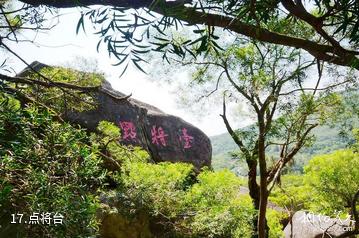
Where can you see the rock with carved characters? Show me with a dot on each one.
(165, 137)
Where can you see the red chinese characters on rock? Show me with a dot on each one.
(186, 139)
(128, 131)
(158, 136)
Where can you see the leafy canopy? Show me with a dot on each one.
(334, 178)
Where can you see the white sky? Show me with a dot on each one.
(61, 44)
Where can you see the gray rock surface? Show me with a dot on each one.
(165, 137)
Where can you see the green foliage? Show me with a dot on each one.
(159, 185)
(218, 207)
(107, 140)
(210, 207)
(47, 167)
(62, 99)
(334, 178)
(274, 219)
(109, 129)
(290, 26)
(71, 76)
(215, 186)
(327, 187)
(130, 42)
(292, 193)
(347, 118)
(334, 134)
(356, 136)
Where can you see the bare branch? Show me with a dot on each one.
(8, 23)
(234, 136)
(315, 89)
(215, 89)
(241, 90)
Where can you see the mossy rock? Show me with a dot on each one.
(115, 225)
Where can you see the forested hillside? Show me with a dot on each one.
(327, 138)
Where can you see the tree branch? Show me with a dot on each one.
(234, 136)
(50, 84)
(315, 89)
(178, 10)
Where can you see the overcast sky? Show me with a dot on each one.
(61, 44)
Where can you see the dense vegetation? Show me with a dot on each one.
(328, 186)
(48, 166)
(265, 60)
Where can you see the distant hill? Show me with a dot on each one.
(327, 140)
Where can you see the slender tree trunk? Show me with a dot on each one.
(252, 182)
(254, 192)
(262, 226)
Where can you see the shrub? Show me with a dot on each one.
(47, 166)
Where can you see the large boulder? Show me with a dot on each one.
(309, 225)
(165, 137)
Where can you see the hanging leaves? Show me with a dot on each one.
(126, 34)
